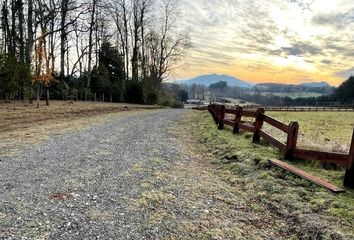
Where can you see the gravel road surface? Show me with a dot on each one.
(80, 185)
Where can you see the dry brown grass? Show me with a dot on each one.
(23, 123)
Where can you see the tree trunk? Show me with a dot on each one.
(21, 19)
(126, 39)
(92, 24)
(63, 36)
(38, 95)
(13, 29)
(47, 97)
(121, 38)
(136, 23)
(52, 42)
(30, 33)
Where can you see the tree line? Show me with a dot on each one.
(116, 50)
(343, 95)
(291, 88)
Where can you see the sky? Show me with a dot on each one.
(283, 41)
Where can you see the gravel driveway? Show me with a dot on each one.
(80, 185)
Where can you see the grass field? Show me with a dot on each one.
(22, 123)
(311, 208)
(330, 131)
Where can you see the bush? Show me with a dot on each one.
(178, 104)
(152, 98)
(134, 92)
(167, 102)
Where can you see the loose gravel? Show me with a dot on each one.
(80, 185)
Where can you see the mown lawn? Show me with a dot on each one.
(312, 212)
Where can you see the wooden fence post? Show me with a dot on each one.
(212, 111)
(217, 115)
(214, 114)
(258, 124)
(291, 142)
(221, 117)
(237, 120)
(349, 173)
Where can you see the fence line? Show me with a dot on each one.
(307, 109)
(288, 148)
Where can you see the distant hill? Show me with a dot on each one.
(316, 84)
(214, 78)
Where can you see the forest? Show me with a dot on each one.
(116, 50)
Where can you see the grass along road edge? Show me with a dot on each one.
(305, 209)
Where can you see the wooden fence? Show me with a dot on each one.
(310, 109)
(288, 148)
(300, 108)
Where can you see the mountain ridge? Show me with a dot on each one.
(236, 82)
(214, 78)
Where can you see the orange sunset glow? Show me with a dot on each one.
(291, 41)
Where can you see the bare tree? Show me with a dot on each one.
(70, 34)
(21, 19)
(30, 33)
(140, 9)
(121, 17)
(63, 34)
(144, 9)
(90, 41)
(165, 45)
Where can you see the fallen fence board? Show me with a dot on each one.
(329, 157)
(298, 172)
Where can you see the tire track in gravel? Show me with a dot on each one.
(79, 185)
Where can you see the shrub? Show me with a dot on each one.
(134, 92)
(178, 104)
(152, 98)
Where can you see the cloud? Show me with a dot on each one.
(304, 5)
(301, 35)
(336, 20)
(346, 73)
(300, 49)
(326, 61)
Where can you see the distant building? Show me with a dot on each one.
(194, 101)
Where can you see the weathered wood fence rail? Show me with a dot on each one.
(310, 109)
(288, 148)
